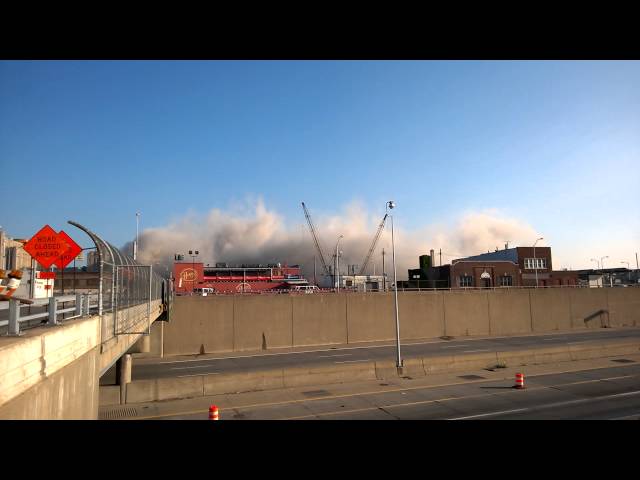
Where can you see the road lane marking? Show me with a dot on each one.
(489, 414)
(354, 361)
(634, 416)
(380, 392)
(598, 334)
(198, 374)
(480, 350)
(550, 405)
(330, 356)
(454, 346)
(187, 368)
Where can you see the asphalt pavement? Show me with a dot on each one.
(597, 389)
(345, 354)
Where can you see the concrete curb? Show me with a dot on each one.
(142, 391)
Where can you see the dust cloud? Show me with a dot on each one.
(253, 234)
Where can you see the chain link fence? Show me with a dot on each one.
(127, 290)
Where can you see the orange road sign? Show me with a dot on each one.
(68, 256)
(46, 246)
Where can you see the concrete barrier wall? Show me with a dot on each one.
(421, 314)
(588, 307)
(466, 313)
(241, 323)
(550, 310)
(624, 307)
(262, 322)
(370, 317)
(509, 312)
(207, 329)
(319, 319)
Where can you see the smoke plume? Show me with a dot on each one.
(253, 234)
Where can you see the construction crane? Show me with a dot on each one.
(373, 245)
(315, 240)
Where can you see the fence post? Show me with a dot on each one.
(14, 318)
(87, 304)
(53, 310)
(149, 305)
(79, 299)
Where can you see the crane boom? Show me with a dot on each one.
(315, 239)
(373, 245)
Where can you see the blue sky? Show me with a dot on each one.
(553, 144)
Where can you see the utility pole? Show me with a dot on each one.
(337, 272)
(535, 262)
(384, 275)
(135, 245)
(399, 363)
(440, 257)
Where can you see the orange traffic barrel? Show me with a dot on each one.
(213, 412)
(519, 380)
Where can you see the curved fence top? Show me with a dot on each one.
(126, 288)
(108, 253)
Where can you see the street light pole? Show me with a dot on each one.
(384, 274)
(337, 272)
(135, 245)
(391, 205)
(535, 262)
(193, 269)
(628, 271)
(602, 263)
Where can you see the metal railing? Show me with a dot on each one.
(348, 290)
(126, 293)
(82, 306)
(126, 290)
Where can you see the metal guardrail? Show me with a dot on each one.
(519, 287)
(82, 307)
(421, 289)
(126, 292)
(123, 284)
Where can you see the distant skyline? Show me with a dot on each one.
(468, 150)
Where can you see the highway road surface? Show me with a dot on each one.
(344, 354)
(606, 388)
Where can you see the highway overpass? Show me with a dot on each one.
(52, 371)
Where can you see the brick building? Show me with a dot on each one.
(511, 267)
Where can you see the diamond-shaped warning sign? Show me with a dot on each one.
(46, 246)
(68, 256)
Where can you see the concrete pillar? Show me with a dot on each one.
(145, 344)
(123, 375)
(142, 345)
(161, 339)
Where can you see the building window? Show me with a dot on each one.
(465, 281)
(506, 281)
(533, 263)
